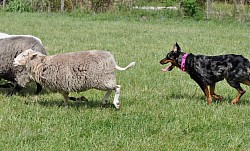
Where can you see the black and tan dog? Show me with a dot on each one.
(207, 70)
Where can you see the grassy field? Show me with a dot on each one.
(160, 111)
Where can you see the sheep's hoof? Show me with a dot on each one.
(35, 99)
(80, 99)
(66, 106)
(72, 98)
(7, 85)
(10, 93)
(117, 105)
(105, 105)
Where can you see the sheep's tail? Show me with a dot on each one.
(248, 70)
(122, 69)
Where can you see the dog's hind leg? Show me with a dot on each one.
(246, 82)
(212, 93)
(237, 86)
(240, 93)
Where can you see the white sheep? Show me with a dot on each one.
(74, 72)
(10, 47)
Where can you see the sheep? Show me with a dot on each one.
(74, 72)
(10, 47)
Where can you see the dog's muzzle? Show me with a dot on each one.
(168, 68)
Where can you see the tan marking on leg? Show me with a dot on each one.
(209, 98)
(240, 93)
(246, 82)
(212, 93)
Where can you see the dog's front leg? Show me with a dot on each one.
(204, 87)
(208, 95)
(213, 94)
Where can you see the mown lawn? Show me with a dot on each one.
(160, 111)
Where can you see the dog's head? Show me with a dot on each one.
(172, 57)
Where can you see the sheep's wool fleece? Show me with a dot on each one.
(75, 71)
(10, 47)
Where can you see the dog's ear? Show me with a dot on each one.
(176, 48)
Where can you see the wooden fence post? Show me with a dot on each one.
(208, 8)
(62, 5)
(4, 3)
(235, 9)
(179, 7)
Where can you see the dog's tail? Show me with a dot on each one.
(128, 66)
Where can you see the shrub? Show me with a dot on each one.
(192, 9)
(19, 6)
(102, 5)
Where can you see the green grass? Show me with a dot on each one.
(160, 111)
(225, 10)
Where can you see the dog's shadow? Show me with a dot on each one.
(198, 97)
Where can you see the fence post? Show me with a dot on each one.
(208, 8)
(235, 8)
(62, 5)
(4, 2)
(179, 7)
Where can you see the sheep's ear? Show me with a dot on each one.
(176, 48)
(33, 56)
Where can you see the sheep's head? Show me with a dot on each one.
(22, 58)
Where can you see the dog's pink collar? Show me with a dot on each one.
(183, 62)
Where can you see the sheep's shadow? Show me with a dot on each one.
(75, 104)
(8, 87)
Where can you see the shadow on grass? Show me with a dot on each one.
(243, 101)
(29, 90)
(75, 104)
(4, 91)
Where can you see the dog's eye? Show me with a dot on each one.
(169, 55)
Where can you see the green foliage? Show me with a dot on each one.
(101, 5)
(19, 6)
(160, 111)
(192, 9)
(170, 3)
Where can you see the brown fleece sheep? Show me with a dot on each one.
(10, 47)
(74, 71)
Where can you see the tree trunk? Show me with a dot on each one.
(62, 5)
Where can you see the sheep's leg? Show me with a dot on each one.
(106, 97)
(82, 98)
(116, 98)
(38, 88)
(7, 85)
(16, 89)
(66, 98)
